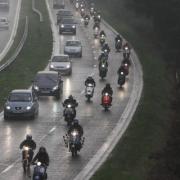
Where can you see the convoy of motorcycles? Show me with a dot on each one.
(73, 140)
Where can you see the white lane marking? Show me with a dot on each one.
(7, 169)
(82, 92)
(52, 130)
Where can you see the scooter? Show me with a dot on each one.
(121, 79)
(39, 171)
(103, 69)
(118, 45)
(89, 91)
(106, 101)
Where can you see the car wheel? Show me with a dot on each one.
(80, 54)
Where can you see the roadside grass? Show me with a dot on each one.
(34, 55)
(135, 154)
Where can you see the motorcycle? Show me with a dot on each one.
(102, 39)
(106, 53)
(39, 172)
(126, 62)
(126, 52)
(86, 22)
(69, 114)
(26, 153)
(118, 45)
(82, 12)
(74, 142)
(103, 69)
(77, 6)
(92, 11)
(89, 91)
(125, 67)
(121, 79)
(106, 101)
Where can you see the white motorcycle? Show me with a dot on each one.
(89, 91)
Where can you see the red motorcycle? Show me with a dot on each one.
(106, 101)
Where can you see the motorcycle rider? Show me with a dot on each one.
(29, 142)
(71, 101)
(118, 37)
(126, 45)
(102, 33)
(87, 16)
(42, 156)
(106, 46)
(107, 89)
(90, 80)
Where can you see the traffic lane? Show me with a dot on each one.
(5, 34)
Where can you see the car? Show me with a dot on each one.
(63, 14)
(4, 24)
(47, 83)
(61, 63)
(58, 4)
(73, 48)
(4, 4)
(67, 25)
(21, 102)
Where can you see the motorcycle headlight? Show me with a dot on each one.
(62, 26)
(103, 65)
(126, 64)
(36, 88)
(122, 73)
(106, 94)
(28, 107)
(74, 133)
(118, 40)
(39, 163)
(69, 105)
(105, 50)
(126, 48)
(55, 88)
(99, 16)
(8, 107)
(26, 148)
(73, 26)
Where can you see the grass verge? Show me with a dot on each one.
(147, 134)
(34, 55)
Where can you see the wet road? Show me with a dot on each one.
(10, 14)
(49, 127)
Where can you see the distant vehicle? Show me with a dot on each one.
(4, 24)
(67, 25)
(63, 14)
(4, 4)
(48, 83)
(58, 4)
(73, 48)
(61, 63)
(21, 102)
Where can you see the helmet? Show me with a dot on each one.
(76, 122)
(42, 149)
(70, 97)
(28, 137)
(89, 78)
(108, 85)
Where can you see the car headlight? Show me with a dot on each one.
(28, 107)
(73, 26)
(68, 66)
(55, 88)
(52, 66)
(62, 26)
(36, 88)
(8, 107)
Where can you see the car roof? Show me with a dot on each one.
(73, 41)
(21, 91)
(61, 55)
(64, 12)
(68, 20)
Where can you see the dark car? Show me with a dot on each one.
(47, 83)
(63, 14)
(67, 25)
(58, 4)
(21, 102)
(4, 4)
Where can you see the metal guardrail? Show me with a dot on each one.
(37, 11)
(18, 49)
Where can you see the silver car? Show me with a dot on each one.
(21, 102)
(4, 24)
(73, 48)
(61, 63)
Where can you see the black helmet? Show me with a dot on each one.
(42, 149)
(28, 137)
(108, 85)
(70, 97)
(89, 78)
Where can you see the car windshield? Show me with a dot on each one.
(73, 43)
(3, 20)
(46, 77)
(67, 21)
(16, 97)
(60, 59)
(64, 13)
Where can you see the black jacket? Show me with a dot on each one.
(70, 101)
(90, 81)
(107, 90)
(29, 143)
(42, 157)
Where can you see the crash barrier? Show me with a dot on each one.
(37, 11)
(18, 49)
